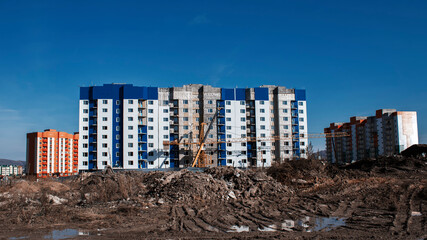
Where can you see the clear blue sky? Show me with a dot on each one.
(352, 57)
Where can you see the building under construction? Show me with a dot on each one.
(387, 133)
(132, 127)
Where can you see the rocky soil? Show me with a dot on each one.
(384, 198)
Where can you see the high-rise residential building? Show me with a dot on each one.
(51, 153)
(130, 127)
(388, 132)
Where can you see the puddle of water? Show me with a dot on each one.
(64, 234)
(327, 223)
(416, 214)
(236, 228)
(270, 228)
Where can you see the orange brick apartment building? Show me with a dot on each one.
(51, 153)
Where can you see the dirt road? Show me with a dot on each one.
(385, 198)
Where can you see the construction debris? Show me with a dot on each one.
(372, 198)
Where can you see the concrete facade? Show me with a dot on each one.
(129, 127)
(388, 132)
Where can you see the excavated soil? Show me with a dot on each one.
(384, 198)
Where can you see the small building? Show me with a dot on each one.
(387, 133)
(51, 153)
(10, 170)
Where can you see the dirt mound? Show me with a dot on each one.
(389, 164)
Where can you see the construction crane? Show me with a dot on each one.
(202, 160)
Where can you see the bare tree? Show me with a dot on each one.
(310, 151)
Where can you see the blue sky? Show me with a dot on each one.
(352, 57)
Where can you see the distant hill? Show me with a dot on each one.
(12, 162)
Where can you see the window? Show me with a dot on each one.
(85, 128)
(130, 127)
(286, 143)
(243, 144)
(165, 136)
(242, 110)
(185, 119)
(150, 136)
(229, 144)
(301, 103)
(261, 102)
(117, 119)
(151, 162)
(243, 152)
(165, 119)
(104, 163)
(228, 135)
(228, 119)
(150, 128)
(104, 101)
(300, 111)
(262, 119)
(117, 154)
(130, 145)
(151, 145)
(301, 119)
(242, 119)
(301, 127)
(130, 154)
(104, 136)
(243, 135)
(104, 110)
(285, 119)
(185, 110)
(185, 101)
(185, 136)
(197, 110)
(104, 119)
(285, 110)
(285, 102)
(263, 135)
(84, 145)
(302, 143)
(165, 102)
(262, 127)
(117, 102)
(85, 154)
(85, 119)
(243, 127)
(85, 110)
(150, 110)
(185, 127)
(84, 163)
(262, 110)
(130, 119)
(130, 110)
(104, 128)
(117, 137)
(302, 151)
(229, 161)
(229, 153)
(151, 102)
(285, 127)
(197, 119)
(227, 102)
(150, 119)
(130, 162)
(286, 135)
(104, 154)
(151, 153)
(228, 110)
(197, 102)
(130, 136)
(228, 127)
(104, 145)
(210, 102)
(130, 101)
(165, 110)
(85, 102)
(210, 135)
(165, 128)
(210, 110)
(242, 102)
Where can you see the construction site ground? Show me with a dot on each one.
(384, 198)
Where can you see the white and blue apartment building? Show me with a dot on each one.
(129, 127)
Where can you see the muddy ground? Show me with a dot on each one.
(382, 199)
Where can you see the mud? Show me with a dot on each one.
(304, 199)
